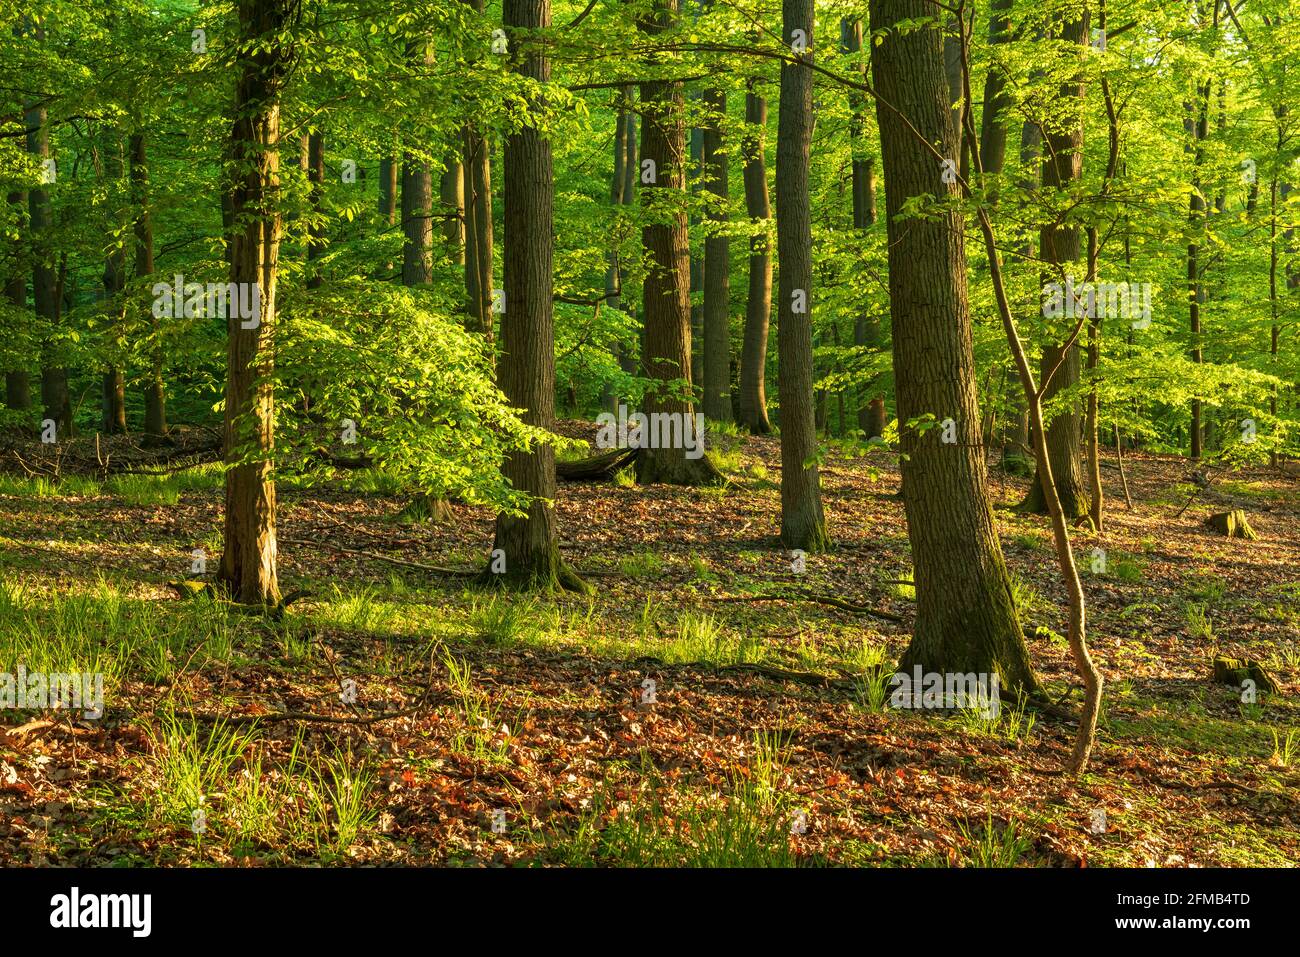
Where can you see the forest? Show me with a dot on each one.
(650, 433)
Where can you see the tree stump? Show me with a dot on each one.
(1232, 524)
(1236, 671)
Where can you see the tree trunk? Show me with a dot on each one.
(717, 266)
(388, 190)
(866, 331)
(803, 524)
(1197, 127)
(527, 368)
(55, 398)
(697, 268)
(417, 202)
(17, 382)
(620, 194)
(451, 195)
(478, 232)
(316, 176)
(248, 563)
(155, 395)
(666, 356)
(965, 617)
(993, 124)
(1031, 149)
(758, 305)
(114, 384)
(1059, 244)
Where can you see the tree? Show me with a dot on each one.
(114, 394)
(666, 291)
(1059, 247)
(248, 562)
(965, 616)
(803, 524)
(155, 396)
(46, 293)
(17, 383)
(758, 303)
(478, 221)
(316, 233)
(717, 264)
(526, 369)
(417, 200)
(871, 414)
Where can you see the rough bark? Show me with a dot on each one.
(526, 370)
(666, 356)
(965, 617)
(248, 561)
(803, 524)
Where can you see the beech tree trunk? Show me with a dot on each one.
(965, 617)
(451, 195)
(620, 194)
(666, 357)
(417, 203)
(17, 381)
(803, 524)
(155, 395)
(477, 158)
(526, 370)
(696, 267)
(1197, 127)
(248, 562)
(717, 266)
(55, 399)
(993, 123)
(316, 176)
(113, 406)
(866, 330)
(478, 232)
(1059, 246)
(758, 304)
(388, 190)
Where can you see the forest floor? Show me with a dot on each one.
(500, 730)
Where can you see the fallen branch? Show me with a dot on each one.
(597, 468)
